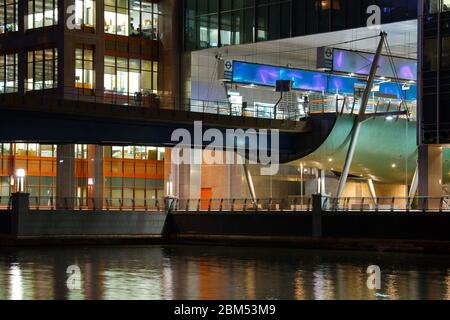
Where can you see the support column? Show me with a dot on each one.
(251, 186)
(65, 176)
(317, 215)
(430, 174)
(19, 207)
(360, 117)
(95, 176)
(372, 190)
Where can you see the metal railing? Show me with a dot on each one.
(386, 204)
(326, 103)
(292, 204)
(5, 202)
(243, 205)
(156, 205)
(106, 204)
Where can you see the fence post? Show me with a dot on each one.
(317, 216)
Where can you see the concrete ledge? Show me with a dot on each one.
(31, 241)
(347, 244)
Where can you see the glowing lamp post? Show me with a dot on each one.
(20, 173)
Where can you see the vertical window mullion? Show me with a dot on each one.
(33, 64)
(44, 63)
(53, 67)
(4, 72)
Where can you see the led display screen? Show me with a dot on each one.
(265, 75)
(360, 63)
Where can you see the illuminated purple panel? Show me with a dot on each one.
(302, 80)
(360, 63)
(264, 75)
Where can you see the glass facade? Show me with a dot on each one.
(42, 71)
(41, 13)
(131, 173)
(85, 13)
(130, 76)
(84, 68)
(212, 23)
(132, 18)
(8, 73)
(39, 162)
(8, 16)
(435, 114)
(134, 172)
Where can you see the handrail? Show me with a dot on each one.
(147, 99)
(291, 204)
(386, 204)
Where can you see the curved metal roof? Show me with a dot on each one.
(386, 150)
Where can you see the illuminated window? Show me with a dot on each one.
(8, 73)
(135, 152)
(42, 13)
(129, 76)
(85, 13)
(84, 68)
(81, 151)
(116, 17)
(132, 177)
(5, 149)
(445, 5)
(8, 16)
(132, 18)
(48, 151)
(42, 69)
(144, 19)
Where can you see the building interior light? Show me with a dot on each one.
(330, 159)
(20, 173)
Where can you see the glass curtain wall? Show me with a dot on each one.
(8, 73)
(84, 68)
(39, 163)
(134, 173)
(130, 76)
(42, 71)
(212, 23)
(435, 115)
(41, 13)
(132, 18)
(85, 13)
(8, 16)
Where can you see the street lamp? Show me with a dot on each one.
(20, 173)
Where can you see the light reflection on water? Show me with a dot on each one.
(195, 272)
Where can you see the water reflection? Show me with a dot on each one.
(189, 272)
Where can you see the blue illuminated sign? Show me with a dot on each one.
(265, 75)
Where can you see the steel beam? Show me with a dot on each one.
(360, 117)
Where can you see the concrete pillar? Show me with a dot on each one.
(95, 176)
(169, 78)
(65, 176)
(20, 203)
(317, 215)
(430, 174)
